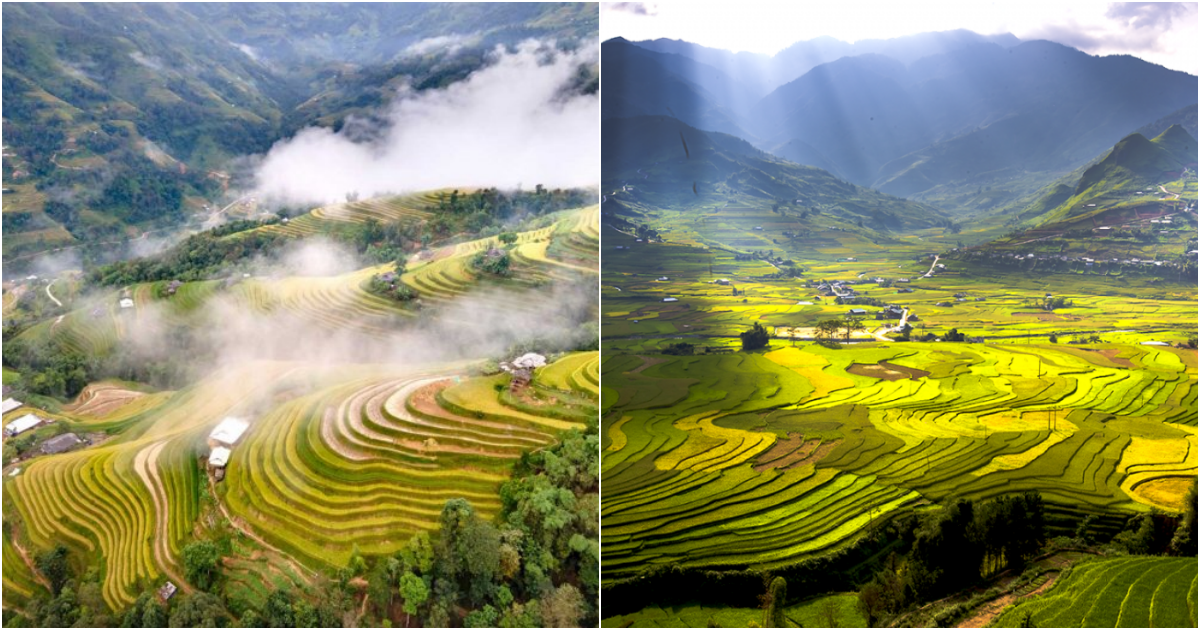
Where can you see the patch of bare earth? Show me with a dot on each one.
(992, 609)
(646, 362)
(876, 371)
(794, 451)
(101, 399)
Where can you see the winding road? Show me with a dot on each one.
(51, 295)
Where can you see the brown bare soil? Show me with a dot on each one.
(992, 609)
(793, 452)
(912, 373)
(646, 362)
(101, 399)
(876, 371)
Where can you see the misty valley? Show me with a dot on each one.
(300, 325)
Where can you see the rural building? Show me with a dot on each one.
(522, 369)
(722, 281)
(61, 443)
(167, 591)
(22, 424)
(904, 290)
(173, 286)
(670, 299)
(9, 404)
(228, 432)
(126, 302)
(663, 279)
(943, 304)
(219, 457)
(857, 312)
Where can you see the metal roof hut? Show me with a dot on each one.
(228, 432)
(22, 424)
(9, 404)
(61, 443)
(522, 369)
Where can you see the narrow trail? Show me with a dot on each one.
(237, 524)
(936, 258)
(992, 609)
(146, 465)
(29, 563)
(51, 295)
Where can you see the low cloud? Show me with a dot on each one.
(636, 8)
(446, 44)
(514, 122)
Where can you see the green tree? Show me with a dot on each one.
(852, 324)
(201, 564)
(508, 238)
(198, 610)
(415, 593)
(563, 607)
(1184, 541)
(755, 338)
(54, 566)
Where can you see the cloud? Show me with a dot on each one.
(511, 123)
(448, 44)
(1149, 15)
(1145, 29)
(636, 8)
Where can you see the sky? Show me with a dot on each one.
(1164, 33)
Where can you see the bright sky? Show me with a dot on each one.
(1165, 33)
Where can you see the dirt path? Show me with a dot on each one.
(51, 295)
(989, 611)
(237, 524)
(29, 562)
(146, 465)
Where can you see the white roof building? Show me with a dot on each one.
(219, 457)
(126, 302)
(229, 431)
(22, 424)
(9, 404)
(670, 299)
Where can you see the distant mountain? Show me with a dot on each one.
(644, 158)
(639, 82)
(763, 73)
(969, 123)
(980, 116)
(1185, 118)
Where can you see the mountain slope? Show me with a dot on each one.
(644, 161)
(645, 83)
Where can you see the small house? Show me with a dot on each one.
(22, 424)
(173, 286)
(61, 443)
(722, 281)
(219, 457)
(9, 404)
(228, 432)
(167, 591)
(663, 279)
(670, 299)
(126, 302)
(857, 312)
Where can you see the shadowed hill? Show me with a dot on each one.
(644, 158)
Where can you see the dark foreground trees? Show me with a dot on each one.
(755, 338)
(954, 548)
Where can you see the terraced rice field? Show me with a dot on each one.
(558, 252)
(760, 460)
(341, 456)
(818, 612)
(1123, 592)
